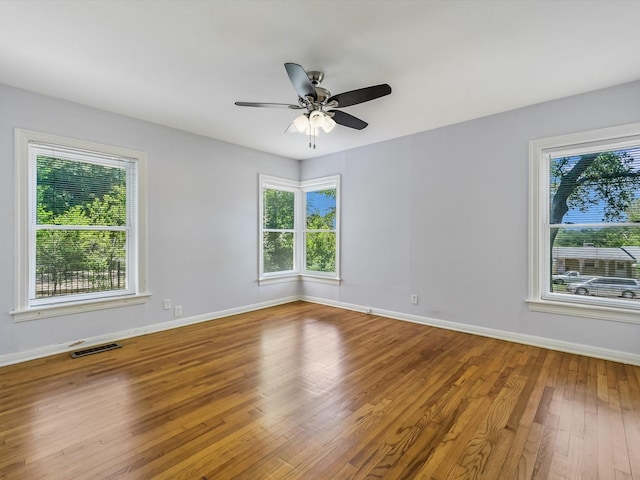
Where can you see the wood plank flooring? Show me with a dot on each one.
(304, 391)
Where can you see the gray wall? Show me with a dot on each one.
(202, 217)
(444, 214)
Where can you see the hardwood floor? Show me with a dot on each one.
(304, 391)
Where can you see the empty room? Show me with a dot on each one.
(318, 239)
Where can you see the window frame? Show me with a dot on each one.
(299, 271)
(25, 227)
(284, 185)
(539, 298)
(316, 185)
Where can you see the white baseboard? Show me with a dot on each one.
(562, 346)
(558, 345)
(73, 345)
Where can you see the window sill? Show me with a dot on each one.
(305, 277)
(599, 312)
(77, 307)
(278, 279)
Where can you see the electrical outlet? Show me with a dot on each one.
(414, 299)
(177, 311)
(166, 305)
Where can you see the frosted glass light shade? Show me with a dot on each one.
(301, 123)
(312, 123)
(329, 124)
(316, 119)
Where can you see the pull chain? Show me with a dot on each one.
(312, 132)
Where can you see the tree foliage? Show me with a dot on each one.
(279, 225)
(64, 184)
(609, 180)
(278, 245)
(71, 193)
(613, 237)
(321, 245)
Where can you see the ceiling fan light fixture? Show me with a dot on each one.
(321, 120)
(316, 119)
(329, 124)
(301, 124)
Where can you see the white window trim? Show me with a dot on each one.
(23, 311)
(298, 273)
(539, 298)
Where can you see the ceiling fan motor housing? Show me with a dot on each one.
(323, 94)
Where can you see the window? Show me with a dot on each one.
(79, 224)
(320, 227)
(279, 240)
(585, 224)
(299, 229)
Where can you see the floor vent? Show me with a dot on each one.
(92, 350)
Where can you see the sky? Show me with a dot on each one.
(594, 213)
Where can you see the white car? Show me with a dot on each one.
(569, 277)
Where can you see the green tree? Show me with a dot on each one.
(278, 244)
(65, 197)
(321, 245)
(604, 178)
(64, 184)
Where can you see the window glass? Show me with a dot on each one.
(594, 210)
(76, 196)
(79, 261)
(279, 208)
(278, 251)
(278, 230)
(299, 229)
(321, 209)
(321, 251)
(320, 235)
(82, 224)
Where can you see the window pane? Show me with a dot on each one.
(595, 187)
(321, 251)
(321, 210)
(70, 192)
(278, 251)
(79, 261)
(279, 209)
(585, 259)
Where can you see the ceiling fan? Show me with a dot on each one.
(316, 100)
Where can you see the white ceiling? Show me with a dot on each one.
(184, 63)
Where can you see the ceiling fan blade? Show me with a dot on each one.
(354, 97)
(268, 105)
(300, 81)
(343, 118)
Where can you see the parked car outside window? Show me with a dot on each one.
(607, 287)
(569, 277)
